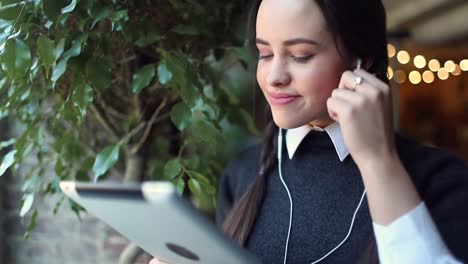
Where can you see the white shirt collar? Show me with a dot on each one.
(295, 136)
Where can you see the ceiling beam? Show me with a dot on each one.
(450, 25)
(406, 11)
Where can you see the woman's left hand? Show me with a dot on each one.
(362, 107)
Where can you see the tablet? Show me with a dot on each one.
(157, 219)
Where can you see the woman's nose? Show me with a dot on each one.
(278, 75)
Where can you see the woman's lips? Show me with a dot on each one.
(281, 98)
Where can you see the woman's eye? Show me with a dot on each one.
(262, 56)
(302, 59)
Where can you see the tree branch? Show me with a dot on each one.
(148, 127)
(103, 122)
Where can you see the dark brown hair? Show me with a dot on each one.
(359, 31)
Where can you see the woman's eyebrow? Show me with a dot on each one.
(290, 42)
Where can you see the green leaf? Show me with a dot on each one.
(59, 70)
(207, 132)
(82, 98)
(164, 74)
(31, 184)
(53, 8)
(180, 185)
(4, 144)
(102, 14)
(105, 160)
(27, 203)
(99, 73)
(15, 58)
(189, 94)
(172, 168)
(31, 224)
(142, 78)
(59, 168)
(7, 161)
(74, 51)
(199, 177)
(76, 208)
(195, 186)
(69, 8)
(242, 54)
(250, 123)
(11, 11)
(148, 39)
(181, 116)
(190, 30)
(59, 49)
(46, 50)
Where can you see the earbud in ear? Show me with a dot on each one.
(358, 63)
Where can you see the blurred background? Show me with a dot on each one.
(428, 51)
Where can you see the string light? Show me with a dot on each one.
(457, 70)
(449, 66)
(391, 50)
(464, 65)
(403, 56)
(434, 65)
(419, 62)
(415, 77)
(399, 76)
(443, 74)
(389, 73)
(428, 77)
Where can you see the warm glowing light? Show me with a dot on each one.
(389, 73)
(399, 76)
(449, 66)
(419, 62)
(464, 65)
(428, 77)
(391, 50)
(457, 70)
(443, 74)
(434, 65)
(415, 77)
(403, 57)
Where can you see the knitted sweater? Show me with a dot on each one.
(326, 192)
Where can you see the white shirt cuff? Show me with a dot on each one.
(412, 238)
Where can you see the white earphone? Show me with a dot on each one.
(280, 151)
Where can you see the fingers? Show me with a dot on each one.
(339, 108)
(157, 261)
(355, 79)
(362, 82)
(357, 91)
(154, 261)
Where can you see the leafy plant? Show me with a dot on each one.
(145, 89)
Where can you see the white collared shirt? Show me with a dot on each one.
(412, 238)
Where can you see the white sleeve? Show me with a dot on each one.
(412, 238)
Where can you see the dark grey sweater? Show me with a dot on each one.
(325, 193)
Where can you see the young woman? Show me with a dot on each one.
(332, 183)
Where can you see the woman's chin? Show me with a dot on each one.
(288, 123)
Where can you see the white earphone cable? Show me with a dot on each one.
(280, 151)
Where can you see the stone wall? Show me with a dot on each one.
(61, 238)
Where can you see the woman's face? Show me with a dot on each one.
(299, 64)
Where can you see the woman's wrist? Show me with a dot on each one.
(390, 190)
